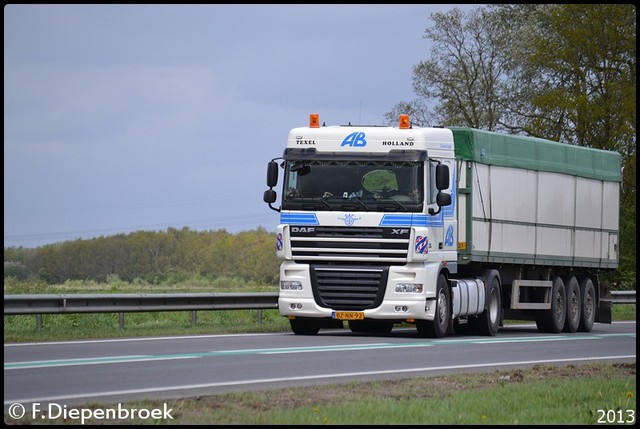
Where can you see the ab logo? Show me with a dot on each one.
(354, 140)
(448, 239)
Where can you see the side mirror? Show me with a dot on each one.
(443, 199)
(269, 196)
(442, 182)
(272, 174)
(442, 177)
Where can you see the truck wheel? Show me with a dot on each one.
(574, 305)
(488, 322)
(304, 327)
(553, 320)
(588, 304)
(438, 327)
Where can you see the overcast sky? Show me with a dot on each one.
(120, 118)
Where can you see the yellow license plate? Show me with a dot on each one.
(348, 315)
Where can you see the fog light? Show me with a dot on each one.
(288, 285)
(409, 287)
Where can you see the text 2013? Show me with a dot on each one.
(616, 416)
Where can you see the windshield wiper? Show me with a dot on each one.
(391, 200)
(355, 200)
(315, 206)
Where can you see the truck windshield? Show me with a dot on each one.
(353, 185)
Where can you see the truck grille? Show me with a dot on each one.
(370, 246)
(348, 288)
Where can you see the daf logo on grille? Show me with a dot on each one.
(303, 229)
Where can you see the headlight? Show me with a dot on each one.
(286, 285)
(409, 287)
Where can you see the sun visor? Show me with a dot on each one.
(392, 155)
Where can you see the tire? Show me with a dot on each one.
(438, 327)
(588, 304)
(574, 305)
(488, 322)
(553, 320)
(370, 327)
(304, 327)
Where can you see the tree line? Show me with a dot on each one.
(154, 257)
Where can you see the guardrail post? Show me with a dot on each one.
(194, 318)
(259, 316)
(121, 320)
(39, 322)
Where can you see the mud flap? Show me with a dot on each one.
(603, 315)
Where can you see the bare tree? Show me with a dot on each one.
(461, 82)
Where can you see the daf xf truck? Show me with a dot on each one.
(448, 229)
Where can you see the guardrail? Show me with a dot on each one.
(125, 303)
(623, 297)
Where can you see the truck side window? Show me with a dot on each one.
(433, 191)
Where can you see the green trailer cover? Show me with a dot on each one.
(532, 153)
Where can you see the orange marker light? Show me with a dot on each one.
(404, 122)
(314, 120)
